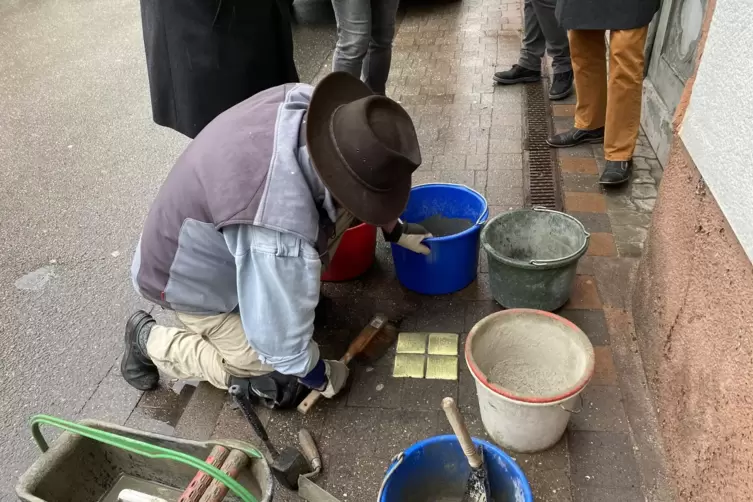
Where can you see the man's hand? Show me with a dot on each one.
(410, 236)
(337, 375)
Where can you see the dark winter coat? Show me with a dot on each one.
(605, 14)
(205, 56)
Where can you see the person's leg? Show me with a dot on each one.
(534, 43)
(208, 348)
(353, 34)
(623, 118)
(588, 55)
(376, 66)
(555, 35)
(528, 68)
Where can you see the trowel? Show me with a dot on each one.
(307, 488)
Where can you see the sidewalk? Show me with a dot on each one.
(471, 133)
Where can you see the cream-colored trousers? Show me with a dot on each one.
(209, 348)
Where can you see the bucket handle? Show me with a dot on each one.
(140, 448)
(580, 408)
(396, 461)
(569, 257)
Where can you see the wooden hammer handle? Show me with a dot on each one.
(458, 427)
(315, 395)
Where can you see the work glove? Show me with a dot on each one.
(410, 236)
(337, 375)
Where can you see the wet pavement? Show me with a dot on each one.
(80, 162)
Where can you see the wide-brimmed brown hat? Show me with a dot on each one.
(363, 146)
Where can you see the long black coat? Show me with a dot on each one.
(205, 56)
(605, 14)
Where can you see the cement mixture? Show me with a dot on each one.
(439, 226)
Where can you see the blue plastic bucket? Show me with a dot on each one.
(453, 261)
(436, 468)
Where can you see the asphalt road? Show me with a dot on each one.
(80, 161)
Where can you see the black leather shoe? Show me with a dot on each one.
(517, 75)
(616, 172)
(575, 137)
(562, 86)
(136, 367)
(273, 390)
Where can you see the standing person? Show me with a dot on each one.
(607, 111)
(205, 56)
(365, 31)
(541, 32)
(239, 233)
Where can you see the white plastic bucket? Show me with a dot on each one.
(530, 367)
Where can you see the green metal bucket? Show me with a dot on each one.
(533, 255)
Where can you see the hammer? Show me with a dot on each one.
(373, 341)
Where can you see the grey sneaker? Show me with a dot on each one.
(136, 366)
(616, 172)
(575, 137)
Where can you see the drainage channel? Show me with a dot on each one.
(542, 175)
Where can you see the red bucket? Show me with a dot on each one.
(354, 255)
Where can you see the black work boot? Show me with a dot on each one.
(575, 137)
(562, 85)
(517, 75)
(616, 172)
(273, 390)
(136, 367)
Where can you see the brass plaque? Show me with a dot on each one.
(409, 366)
(411, 343)
(443, 344)
(442, 367)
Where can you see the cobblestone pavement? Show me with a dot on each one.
(471, 133)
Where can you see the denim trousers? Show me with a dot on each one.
(365, 30)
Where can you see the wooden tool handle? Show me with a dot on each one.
(458, 427)
(309, 449)
(232, 466)
(200, 482)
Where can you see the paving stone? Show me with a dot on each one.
(581, 151)
(398, 429)
(511, 178)
(644, 151)
(505, 146)
(374, 387)
(601, 411)
(604, 370)
(585, 265)
(591, 322)
(594, 222)
(555, 458)
(646, 205)
(642, 178)
(477, 310)
(549, 485)
(613, 278)
(448, 162)
(619, 202)
(426, 395)
(602, 459)
(630, 234)
(476, 162)
(640, 164)
(563, 110)
(584, 294)
(592, 494)
(440, 315)
(508, 196)
(643, 191)
(585, 202)
(580, 183)
(629, 250)
(629, 218)
(479, 289)
(601, 244)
